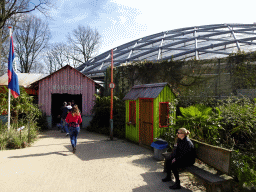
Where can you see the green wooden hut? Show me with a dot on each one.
(147, 111)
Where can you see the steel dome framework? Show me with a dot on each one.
(200, 42)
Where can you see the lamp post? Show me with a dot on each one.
(111, 86)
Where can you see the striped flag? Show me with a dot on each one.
(13, 82)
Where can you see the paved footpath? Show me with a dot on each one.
(99, 165)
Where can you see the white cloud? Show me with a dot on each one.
(57, 8)
(77, 18)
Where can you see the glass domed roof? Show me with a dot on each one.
(199, 42)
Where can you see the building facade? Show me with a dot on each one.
(66, 84)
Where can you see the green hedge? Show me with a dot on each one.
(101, 119)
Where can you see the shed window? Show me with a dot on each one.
(132, 112)
(163, 114)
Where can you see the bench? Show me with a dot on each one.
(216, 179)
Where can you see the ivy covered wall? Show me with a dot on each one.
(194, 78)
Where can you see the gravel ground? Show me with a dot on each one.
(98, 165)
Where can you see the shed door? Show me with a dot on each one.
(146, 121)
(57, 103)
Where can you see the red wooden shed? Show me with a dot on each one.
(66, 84)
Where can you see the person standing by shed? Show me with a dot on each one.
(74, 120)
(72, 103)
(64, 112)
(69, 108)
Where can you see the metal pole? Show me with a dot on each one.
(111, 101)
(196, 53)
(9, 93)
(219, 78)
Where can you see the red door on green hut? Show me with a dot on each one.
(146, 121)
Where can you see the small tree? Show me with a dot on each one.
(84, 43)
(58, 55)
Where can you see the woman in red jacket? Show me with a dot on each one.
(74, 119)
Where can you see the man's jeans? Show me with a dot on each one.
(64, 126)
(73, 132)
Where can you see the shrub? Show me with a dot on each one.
(23, 113)
(42, 122)
(22, 108)
(3, 140)
(101, 119)
(243, 170)
(2, 126)
(239, 122)
(12, 139)
(202, 122)
(170, 137)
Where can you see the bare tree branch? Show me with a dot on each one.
(60, 54)
(85, 42)
(31, 39)
(9, 8)
(4, 41)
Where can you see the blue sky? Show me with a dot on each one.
(121, 21)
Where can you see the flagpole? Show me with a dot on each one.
(9, 94)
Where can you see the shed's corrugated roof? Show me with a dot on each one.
(25, 79)
(145, 91)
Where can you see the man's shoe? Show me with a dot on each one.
(67, 134)
(175, 186)
(166, 179)
(74, 150)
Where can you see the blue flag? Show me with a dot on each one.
(13, 82)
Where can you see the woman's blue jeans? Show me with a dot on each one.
(73, 132)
